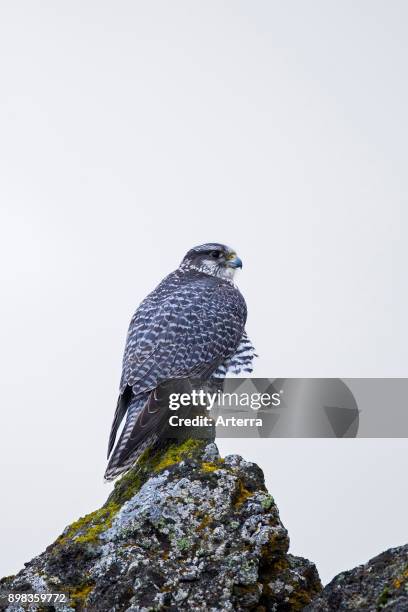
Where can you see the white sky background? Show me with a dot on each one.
(130, 131)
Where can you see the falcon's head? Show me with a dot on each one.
(214, 259)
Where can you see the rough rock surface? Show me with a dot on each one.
(380, 584)
(184, 530)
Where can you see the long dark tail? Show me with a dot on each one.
(126, 450)
(146, 417)
(146, 424)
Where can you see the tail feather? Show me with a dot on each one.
(121, 408)
(116, 469)
(124, 449)
(146, 423)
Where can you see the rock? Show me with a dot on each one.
(381, 584)
(183, 530)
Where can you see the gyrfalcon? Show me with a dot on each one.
(191, 325)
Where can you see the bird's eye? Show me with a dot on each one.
(215, 254)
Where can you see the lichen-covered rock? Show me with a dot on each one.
(381, 584)
(183, 530)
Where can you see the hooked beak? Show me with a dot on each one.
(234, 262)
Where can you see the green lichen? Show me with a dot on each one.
(383, 598)
(209, 467)
(128, 485)
(88, 528)
(183, 544)
(267, 502)
(176, 453)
